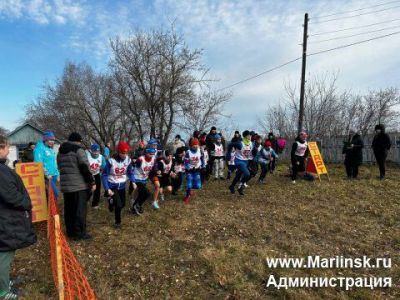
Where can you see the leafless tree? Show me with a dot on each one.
(204, 111)
(81, 101)
(157, 75)
(330, 113)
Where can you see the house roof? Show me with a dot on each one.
(27, 124)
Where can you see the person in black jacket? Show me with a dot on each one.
(381, 145)
(28, 153)
(16, 230)
(352, 149)
(77, 182)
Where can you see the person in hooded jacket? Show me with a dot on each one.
(77, 182)
(352, 149)
(44, 153)
(381, 145)
(298, 155)
(16, 229)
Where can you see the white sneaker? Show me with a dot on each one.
(155, 205)
(293, 181)
(162, 198)
(246, 185)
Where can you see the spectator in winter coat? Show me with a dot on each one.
(16, 230)
(28, 153)
(352, 149)
(45, 154)
(76, 183)
(178, 143)
(236, 137)
(381, 145)
(211, 137)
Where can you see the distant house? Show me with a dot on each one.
(20, 138)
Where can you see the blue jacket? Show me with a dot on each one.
(106, 152)
(48, 157)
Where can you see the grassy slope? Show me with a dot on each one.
(216, 246)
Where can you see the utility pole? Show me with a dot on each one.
(303, 73)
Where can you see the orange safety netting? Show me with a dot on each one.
(73, 283)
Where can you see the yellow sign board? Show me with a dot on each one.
(318, 165)
(33, 177)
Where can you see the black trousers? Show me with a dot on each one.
(143, 193)
(119, 200)
(296, 168)
(253, 169)
(96, 193)
(75, 211)
(351, 169)
(381, 160)
(272, 165)
(177, 182)
(264, 170)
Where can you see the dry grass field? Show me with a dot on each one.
(216, 247)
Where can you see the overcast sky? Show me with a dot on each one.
(240, 39)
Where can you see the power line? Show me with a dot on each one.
(356, 43)
(258, 75)
(310, 54)
(351, 28)
(362, 14)
(351, 11)
(352, 35)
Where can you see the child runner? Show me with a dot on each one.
(266, 156)
(231, 163)
(194, 164)
(143, 166)
(298, 155)
(116, 172)
(161, 177)
(217, 157)
(244, 150)
(253, 161)
(205, 172)
(178, 168)
(96, 164)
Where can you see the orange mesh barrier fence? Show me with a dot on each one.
(68, 275)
